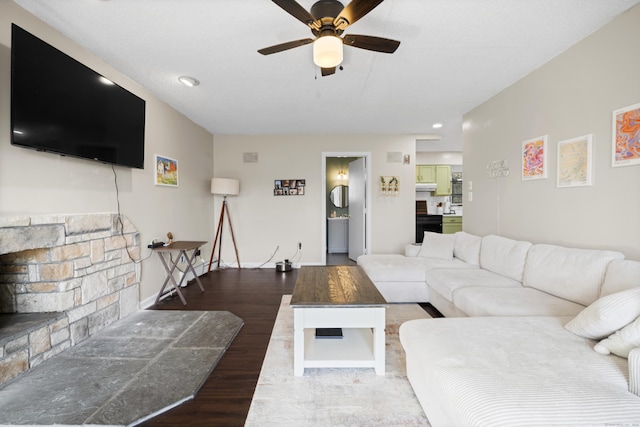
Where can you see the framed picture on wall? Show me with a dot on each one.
(574, 162)
(534, 158)
(166, 171)
(625, 145)
(289, 187)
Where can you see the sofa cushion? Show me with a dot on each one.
(399, 268)
(622, 341)
(446, 281)
(573, 274)
(437, 245)
(467, 247)
(411, 250)
(621, 275)
(512, 301)
(513, 371)
(504, 256)
(404, 292)
(606, 315)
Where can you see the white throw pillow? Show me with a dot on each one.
(606, 315)
(436, 245)
(622, 342)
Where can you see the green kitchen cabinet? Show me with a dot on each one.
(425, 174)
(443, 179)
(451, 224)
(439, 174)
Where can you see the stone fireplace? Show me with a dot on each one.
(62, 279)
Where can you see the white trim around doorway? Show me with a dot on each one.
(323, 192)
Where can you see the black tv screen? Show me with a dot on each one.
(61, 106)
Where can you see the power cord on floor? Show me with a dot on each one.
(270, 258)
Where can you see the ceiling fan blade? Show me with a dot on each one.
(296, 10)
(328, 71)
(284, 46)
(355, 10)
(377, 44)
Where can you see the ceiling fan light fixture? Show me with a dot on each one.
(327, 51)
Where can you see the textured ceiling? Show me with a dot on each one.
(454, 55)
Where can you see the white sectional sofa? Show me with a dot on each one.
(401, 278)
(527, 333)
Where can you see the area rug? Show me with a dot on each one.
(335, 396)
(130, 371)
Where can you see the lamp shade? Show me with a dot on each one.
(327, 51)
(225, 186)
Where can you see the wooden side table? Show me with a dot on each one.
(181, 248)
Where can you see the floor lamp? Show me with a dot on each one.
(224, 187)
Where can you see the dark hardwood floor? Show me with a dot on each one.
(253, 295)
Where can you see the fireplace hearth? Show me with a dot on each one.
(62, 279)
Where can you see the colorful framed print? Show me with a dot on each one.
(534, 158)
(625, 145)
(166, 171)
(289, 187)
(574, 162)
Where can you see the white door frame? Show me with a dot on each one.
(323, 192)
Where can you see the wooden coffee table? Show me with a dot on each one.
(337, 297)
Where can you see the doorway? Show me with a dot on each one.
(339, 259)
(335, 173)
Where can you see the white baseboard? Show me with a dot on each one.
(148, 302)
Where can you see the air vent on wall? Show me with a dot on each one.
(250, 157)
(394, 157)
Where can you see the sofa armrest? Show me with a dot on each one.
(411, 250)
(634, 371)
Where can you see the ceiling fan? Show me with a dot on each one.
(327, 20)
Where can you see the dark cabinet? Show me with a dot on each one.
(424, 223)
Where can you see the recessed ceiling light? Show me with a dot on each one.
(188, 81)
(437, 125)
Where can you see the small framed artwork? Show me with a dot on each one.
(534, 158)
(166, 171)
(289, 187)
(574, 162)
(625, 145)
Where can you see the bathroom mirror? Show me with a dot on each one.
(340, 196)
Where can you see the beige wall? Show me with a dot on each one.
(33, 183)
(572, 95)
(439, 158)
(263, 222)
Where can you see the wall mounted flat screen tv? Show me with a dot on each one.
(61, 106)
